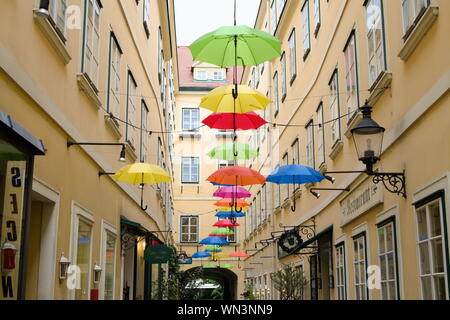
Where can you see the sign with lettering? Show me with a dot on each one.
(158, 254)
(183, 258)
(11, 228)
(363, 198)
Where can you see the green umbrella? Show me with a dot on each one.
(222, 232)
(209, 266)
(227, 151)
(213, 248)
(227, 266)
(219, 47)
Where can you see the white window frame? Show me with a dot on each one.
(273, 16)
(310, 152)
(412, 10)
(189, 225)
(115, 55)
(143, 131)
(382, 259)
(191, 125)
(341, 274)
(91, 48)
(191, 165)
(57, 11)
(283, 76)
(107, 228)
(335, 108)
(276, 97)
(317, 17)
(320, 135)
(360, 267)
(130, 132)
(292, 55)
(351, 76)
(306, 41)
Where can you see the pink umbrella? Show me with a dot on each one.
(234, 192)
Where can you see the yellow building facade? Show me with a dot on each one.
(360, 241)
(84, 71)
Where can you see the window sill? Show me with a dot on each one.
(298, 193)
(384, 80)
(323, 168)
(113, 125)
(353, 122)
(337, 147)
(190, 135)
(277, 210)
(286, 203)
(306, 54)
(226, 135)
(131, 151)
(292, 79)
(88, 88)
(283, 97)
(52, 35)
(420, 29)
(316, 30)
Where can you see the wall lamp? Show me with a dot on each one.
(122, 151)
(43, 8)
(317, 195)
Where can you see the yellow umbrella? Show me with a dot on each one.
(228, 209)
(219, 256)
(221, 100)
(141, 173)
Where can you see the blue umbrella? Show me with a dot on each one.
(215, 240)
(295, 174)
(229, 214)
(201, 254)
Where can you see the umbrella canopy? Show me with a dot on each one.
(201, 254)
(235, 175)
(221, 100)
(239, 254)
(213, 248)
(226, 223)
(295, 174)
(209, 266)
(227, 266)
(221, 232)
(219, 256)
(234, 192)
(228, 202)
(215, 240)
(231, 45)
(229, 209)
(139, 173)
(234, 121)
(230, 214)
(227, 151)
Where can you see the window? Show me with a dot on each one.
(351, 76)
(306, 30)
(115, 54)
(310, 161)
(359, 264)
(57, 11)
(283, 77)
(190, 170)
(91, 41)
(218, 75)
(334, 107)
(264, 201)
(131, 131)
(280, 8)
(293, 55)
(201, 75)
(340, 272)
(275, 93)
(320, 135)
(388, 260)
(258, 208)
(226, 163)
(191, 119)
(375, 38)
(317, 19)
(412, 11)
(276, 194)
(109, 265)
(160, 55)
(431, 243)
(285, 187)
(83, 243)
(189, 228)
(233, 237)
(147, 17)
(273, 16)
(296, 157)
(144, 135)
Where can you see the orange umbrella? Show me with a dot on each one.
(239, 254)
(236, 176)
(227, 202)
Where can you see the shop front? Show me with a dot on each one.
(17, 150)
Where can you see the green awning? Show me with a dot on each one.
(124, 220)
(306, 243)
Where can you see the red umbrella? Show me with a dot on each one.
(236, 176)
(225, 223)
(239, 254)
(225, 121)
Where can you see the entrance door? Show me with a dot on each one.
(129, 273)
(326, 264)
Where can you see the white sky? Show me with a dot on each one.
(194, 18)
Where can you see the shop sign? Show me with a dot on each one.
(183, 258)
(11, 228)
(363, 198)
(158, 254)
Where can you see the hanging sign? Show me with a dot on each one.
(11, 228)
(183, 258)
(158, 254)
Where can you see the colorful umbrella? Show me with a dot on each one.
(216, 256)
(239, 254)
(238, 176)
(234, 121)
(228, 151)
(213, 248)
(229, 209)
(215, 240)
(295, 174)
(201, 254)
(221, 100)
(228, 202)
(234, 192)
(226, 223)
(227, 266)
(236, 45)
(221, 232)
(230, 214)
(209, 266)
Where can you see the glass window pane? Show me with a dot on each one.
(426, 288)
(83, 259)
(435, 219)
(439, 287)
(422, 224)
(438, 256)
(424, 258)
(109, 267)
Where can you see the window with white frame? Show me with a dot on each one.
(201, 75)
(264, 202)
(147, 17)
(388, 260)
(190, 169)
(351, 76)
(412, 10)
(292, 55)
(218, 75)
(273, 16)
(275, 93)
(255, 214)
(91, 41)
(258, 208)
(310, 159)
(276, 194)
(375, 38)
(115, 55)
(160, 55)
(306, 29)
(143, 131)
(280, 8)
(320, 135)
(433, 260)
(190, 118)
(189, 228)
(283, 77)
(232, 237)
(317, 18)
(109, 261)
(360, 266)
(225, 163)
(340, 272)
(285, 187)
(131, 125)
(334, 107)
(296, 156)
(57, 10)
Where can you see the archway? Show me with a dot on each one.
(225, 277)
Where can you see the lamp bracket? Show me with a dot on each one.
(394, 182)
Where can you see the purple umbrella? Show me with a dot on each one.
(233, 192)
